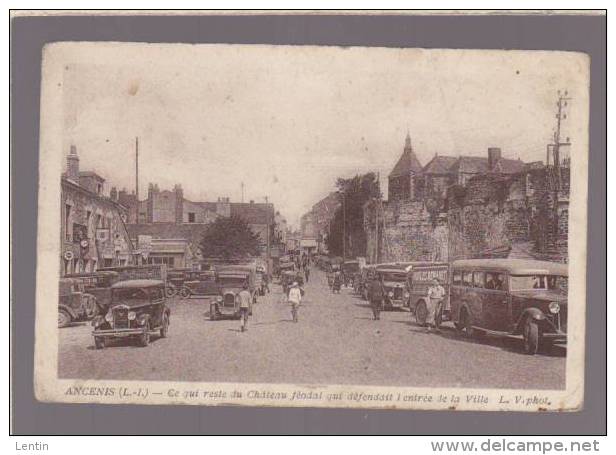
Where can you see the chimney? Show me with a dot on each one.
(494, 155)
(179, 203)
(72, 165)
(113, 194)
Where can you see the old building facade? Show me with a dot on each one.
(170, 226)
(93, 232)
(314, 225)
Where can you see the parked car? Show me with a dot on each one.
(285, 267)
(230, 282)
(394, 285)
(420, 276)
(99, 285)
(138, 309)
(517, 297)
(74, 303)
(200, 283)
(175, 281)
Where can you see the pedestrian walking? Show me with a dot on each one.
(436, 294)
(295, 298)
(307, 273)
(376, 297)
(266, 280)
(245, 302)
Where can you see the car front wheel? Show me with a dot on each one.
(64, 318)
(465, 326)
(99, 342)
(531, 337)
(184, 293)
(421, 313)
(164, 329)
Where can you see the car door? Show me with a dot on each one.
(156, 306)
(495, 301)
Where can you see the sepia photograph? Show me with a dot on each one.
(313, 226)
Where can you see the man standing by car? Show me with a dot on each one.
(245, 301)
(436, 293)
(376, 297)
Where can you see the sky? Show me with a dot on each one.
(288, 120)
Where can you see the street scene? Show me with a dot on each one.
(336, 341)
(291, 224)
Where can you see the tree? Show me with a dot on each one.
(229, 238)
(353, 194)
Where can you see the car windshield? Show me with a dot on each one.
(533, 282)
(130, 296)
(231, 281)
(394, 277)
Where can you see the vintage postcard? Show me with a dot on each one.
(314, 226)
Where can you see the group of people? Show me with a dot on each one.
(293, 294)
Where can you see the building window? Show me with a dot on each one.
(88, 227)
(191, 217)
(67, 222)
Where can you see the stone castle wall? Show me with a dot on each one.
(492, 216)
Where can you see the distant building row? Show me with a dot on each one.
(409, 180)
(103, 228)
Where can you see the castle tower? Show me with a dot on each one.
(401, 178)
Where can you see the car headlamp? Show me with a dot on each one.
(390, 293)
(219, 299)
(554, 307)
(131, 315)
(141, 319)
(109, 317)
(407, 295)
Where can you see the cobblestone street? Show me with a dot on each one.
(335, 342)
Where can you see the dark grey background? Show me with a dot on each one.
(28, 35)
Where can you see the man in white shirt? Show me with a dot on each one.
(436, 294)
(245, 300)
(295, 298)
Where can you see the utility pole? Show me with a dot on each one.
(377, 208)
(137, 179)
(242, 191)
(562, 104)
(343, 226)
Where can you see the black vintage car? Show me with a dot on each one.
(200, 283)
(137, 309)
(231, 281)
